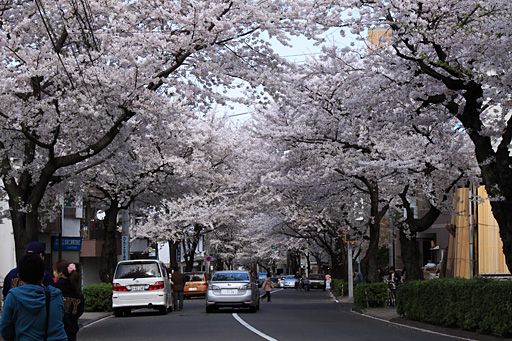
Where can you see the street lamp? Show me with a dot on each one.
(349, 241)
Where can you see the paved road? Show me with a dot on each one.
(292, 315)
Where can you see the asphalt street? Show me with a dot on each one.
(292, 315)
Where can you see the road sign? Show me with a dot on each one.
(125, 251)
(208, 259)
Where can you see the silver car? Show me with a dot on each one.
(232, 289)
(290, 281)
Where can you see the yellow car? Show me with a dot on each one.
(196, 284)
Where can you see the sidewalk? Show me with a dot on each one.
(390, 315)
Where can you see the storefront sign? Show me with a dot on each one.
(68, 243)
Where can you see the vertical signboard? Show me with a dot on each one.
(125, 247)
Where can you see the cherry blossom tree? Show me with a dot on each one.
(75, 73)
(343, 124)
(210, 196)
(453, 57)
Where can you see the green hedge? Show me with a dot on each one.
(370, 295)
(98, 297)
(339, 287)
(479, 305)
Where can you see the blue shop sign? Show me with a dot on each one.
(68, 243)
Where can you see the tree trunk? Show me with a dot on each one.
(173, 250)
(108, 261)
(494, 165)
(369, 264)
(25, 228)
(189, 252)
(339, 266)
(503, 214)
(410, 252)
(410, 257)
(25, 194)
(293, 262)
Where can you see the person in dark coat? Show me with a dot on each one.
(68, 281)
(178, 285)
(12, 279)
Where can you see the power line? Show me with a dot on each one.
(241, 114)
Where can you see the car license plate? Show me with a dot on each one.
(192, 289)
(137, 287)
(229, 291)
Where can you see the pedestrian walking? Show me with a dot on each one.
(267, 286)
(297, 281)
(32, 311)
(358, 277)
(12, 279)
(393, 281)
(178, 285)
(328, 281)
(67, 276)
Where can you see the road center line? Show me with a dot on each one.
(251, 328)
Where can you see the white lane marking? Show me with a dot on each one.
(251, 328)
(94, 322)
(415, 328)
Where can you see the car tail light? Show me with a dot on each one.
(119, 287)
(157, 286)
(245, 287)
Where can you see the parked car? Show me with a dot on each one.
(196, 284)
(316, 281)
(141, 283)
(290, 281)
(232, 289)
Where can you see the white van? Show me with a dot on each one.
(142, 283)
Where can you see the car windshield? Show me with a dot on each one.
(194, 277)
(230, 277)
(316, 277)
(137, 270)
(290, 277)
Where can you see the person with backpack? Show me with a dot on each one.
(68, 281)
(32, 311)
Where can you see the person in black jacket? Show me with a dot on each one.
(12, 279)
(68, 281)
(178, 281)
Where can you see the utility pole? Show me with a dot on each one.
(391, 228)
(125, 235)
(350, 273)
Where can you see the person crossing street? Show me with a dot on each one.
(267, 286)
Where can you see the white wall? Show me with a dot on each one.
(71, 227)
(163, 253)
(7, 251)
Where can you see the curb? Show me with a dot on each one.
(424, 327)
(85, 321)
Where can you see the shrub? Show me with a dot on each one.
(98, 297)
(370, 295)
(339, 287)
(483, 306)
